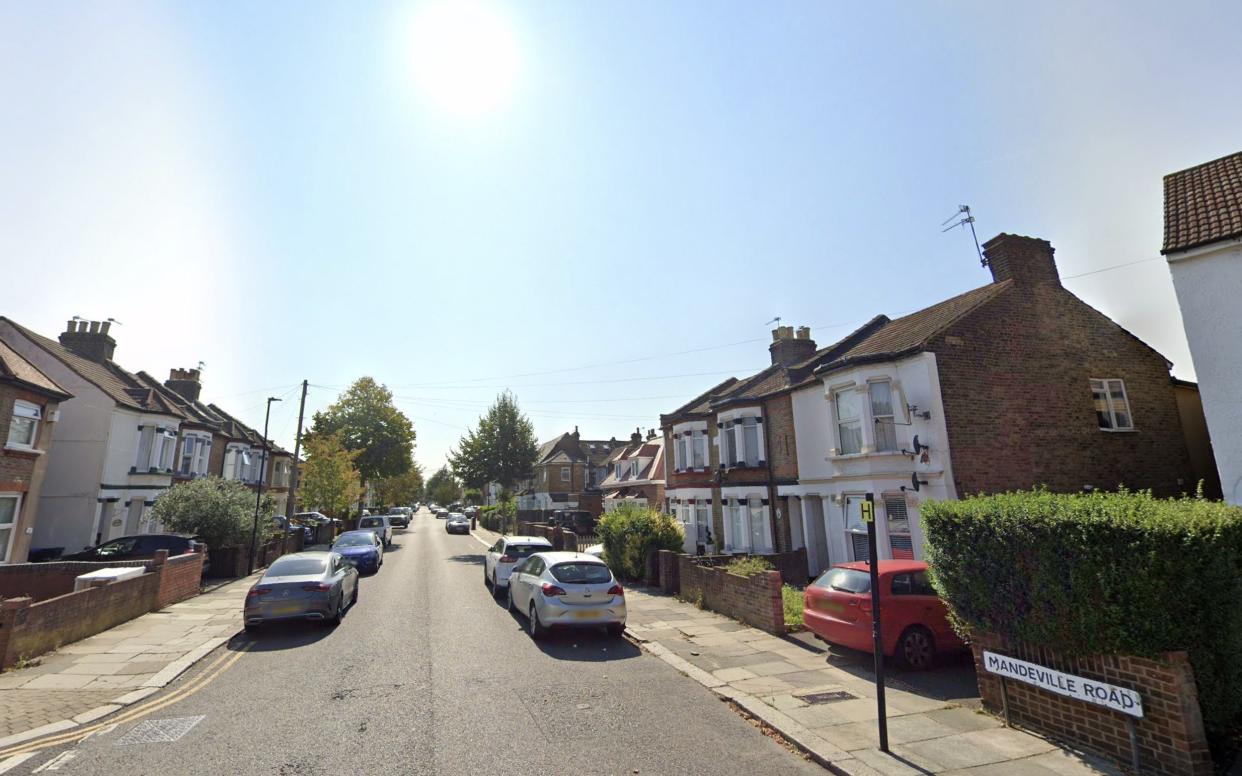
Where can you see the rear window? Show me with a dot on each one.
(525, 550)
(296, 567)
(845, 580)
(582, 573)
(370, 522)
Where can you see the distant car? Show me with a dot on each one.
(442, 513)
(505, 554)
(380, 525)
(566, 589)
(913, 620)
(302, 586)
(285, 525)
(457, 523)
(141, 547)
(362, 549)
(399, 517)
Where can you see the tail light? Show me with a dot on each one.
(508, 559)
(319, 588)
(616, 590)
(551, 591)
(257, 591)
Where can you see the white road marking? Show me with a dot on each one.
(14, 761)
(56, 762)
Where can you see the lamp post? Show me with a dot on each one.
(258, 498)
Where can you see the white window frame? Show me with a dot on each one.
(27, 414)
(167, 450)
(567, 474)
(839, 424)
(853, 502)
(699, 459)
(6, 549)
(878, 420)
(681, 461)
(894, 499)
(743, 509)
(1106, 386)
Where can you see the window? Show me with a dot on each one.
(741, 444)
(146, 438)
(881, 396)
(699, 443)
(735, 513)
(849, 424)
(1112, 406)
(565, 474)
(730, 451)
(634, 468)
(682, 462)
(845, 580)
(8, 525)
(856, 529)
(747, 523)
(899, 539)
(24, 427)
(750, 441)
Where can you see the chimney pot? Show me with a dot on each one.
(88, 341)
(94, 327)
(804, 332)
(71, 327)
(786, 349)
(105, 327)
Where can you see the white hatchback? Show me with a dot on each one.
(380, 525)
(499, 561)
(566, 590)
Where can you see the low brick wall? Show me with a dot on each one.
(670, 579)
(180, 578)
(792, 565)
(755, 600)
(41, 581)
(1171, 738)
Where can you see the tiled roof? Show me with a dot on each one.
(16, 368)
(122, 387)
(1203, 204)
(702, 402)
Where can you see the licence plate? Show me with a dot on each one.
(290, 608)
(586, 615)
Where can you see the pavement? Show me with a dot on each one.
(105, 672)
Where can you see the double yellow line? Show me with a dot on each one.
(208, 674)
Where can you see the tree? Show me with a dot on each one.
(367, 423)
(219, 512)
(443, 487)
(329, 480)
(401, 489)
(502, 448)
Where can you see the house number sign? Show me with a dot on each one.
(1077, 687)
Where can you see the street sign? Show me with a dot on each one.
(868, 510)
(1121, 699)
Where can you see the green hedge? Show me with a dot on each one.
(630, 532)
(1105, 573)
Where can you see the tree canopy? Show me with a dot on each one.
(367, 423)
(443, 487)
(219, 512)
(329, 481)
(401, 489)
(501, 449)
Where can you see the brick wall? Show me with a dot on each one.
(180, 578)
(781, 441)
(41, 581)
(670, 578)
(755, 600)
(1170, 735)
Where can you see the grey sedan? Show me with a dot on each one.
(302, 586)
(457, 523)
(566, 589)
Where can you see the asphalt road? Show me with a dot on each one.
(429, 675)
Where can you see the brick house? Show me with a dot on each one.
(1014, 385)
(567, 474)
(635, 473)
(28, 411)
(1203, 246)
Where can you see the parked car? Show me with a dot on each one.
(285, 525)
(913, 620)
(399, 517)
(302, 586)
(380, 525)
(499, 561)
(312, 520)
(442, 514)
(595, 550)
(141, 547)
(363, 549)
(566, 589)
(457, 523)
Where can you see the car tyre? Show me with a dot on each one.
(615, 629)
(537, 630)
(252, 628)
(916, 649)
(487, 581)
(509, 599)
(335, 619)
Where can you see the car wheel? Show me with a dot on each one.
(916, 649)
(354, 599)
(537, 631)
(616, 629)
(335, 619)
(509, 598)
(252, 627)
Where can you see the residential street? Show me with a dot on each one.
(427, 674)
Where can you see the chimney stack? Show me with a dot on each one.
(651, 434)
(1025, 260)
(788, 348)
(185, 383)
(89, 340)
(637, 436)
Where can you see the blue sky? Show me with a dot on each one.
(280, 190)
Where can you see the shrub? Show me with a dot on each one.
(631, 532)
(1105, 573)
(748, 567)
(219, 512)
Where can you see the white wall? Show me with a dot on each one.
(1208, 283)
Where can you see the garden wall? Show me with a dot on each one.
(42, 581)
(755, 600)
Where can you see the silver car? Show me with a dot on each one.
(302, 586)
(566, 589)
(457, 523)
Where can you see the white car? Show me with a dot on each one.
(380, 525)
(566, 589)
(504, 554)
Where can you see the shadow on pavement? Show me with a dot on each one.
(470, 559)
(585, 645)
(952, 679)
(279, 636)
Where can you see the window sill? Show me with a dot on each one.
(873, 454)
(1130, 430)
(31, 451)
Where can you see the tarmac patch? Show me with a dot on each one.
(160, 731)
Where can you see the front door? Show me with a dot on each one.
(134, 516)
(816, 535)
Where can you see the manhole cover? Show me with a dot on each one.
(832, 696)
(159, 731)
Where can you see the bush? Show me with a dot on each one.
(1105, 573)
(748, 567)
(631, 532)
(219, 512)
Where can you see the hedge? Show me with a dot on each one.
(630, 532)
(1100, 573)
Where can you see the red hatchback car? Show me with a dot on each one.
(913, 619)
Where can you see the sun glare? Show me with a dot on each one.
(465, 56)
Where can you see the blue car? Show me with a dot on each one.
(361, 549)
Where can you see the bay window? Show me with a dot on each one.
(194, 451)
(1112, 406)
(880, 395)
(699, 444)
(24, 425)
(849, 422)
(746, 521)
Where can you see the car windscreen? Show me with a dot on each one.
(526, 550)
(296, 567)
(845, 580)
(355, 540)
(582, 573)
(371, 522)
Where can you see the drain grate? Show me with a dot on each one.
(159, 731)
(832, 696)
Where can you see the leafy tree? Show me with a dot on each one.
(401, 489)
(329, 480)
(443, 487)
(220, 512)
(367, 422)
(472, 496)
(502, 448)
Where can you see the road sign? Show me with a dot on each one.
(868, 510)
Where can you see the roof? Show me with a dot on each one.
(1203, 204)
(15, 368)
(122, 387)
(701, 404)
(561, 556)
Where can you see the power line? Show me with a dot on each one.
(1110, 269)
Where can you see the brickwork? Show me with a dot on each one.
(22, 472)
(1170, 735)
(670, 578)
(180, 578)
(754, 600)
(41, 581)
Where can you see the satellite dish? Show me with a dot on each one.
(919, 446)
(914, 480)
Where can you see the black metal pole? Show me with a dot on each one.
(873, 556)
(258, 498)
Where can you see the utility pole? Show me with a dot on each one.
(258, 496)
(297, 450)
